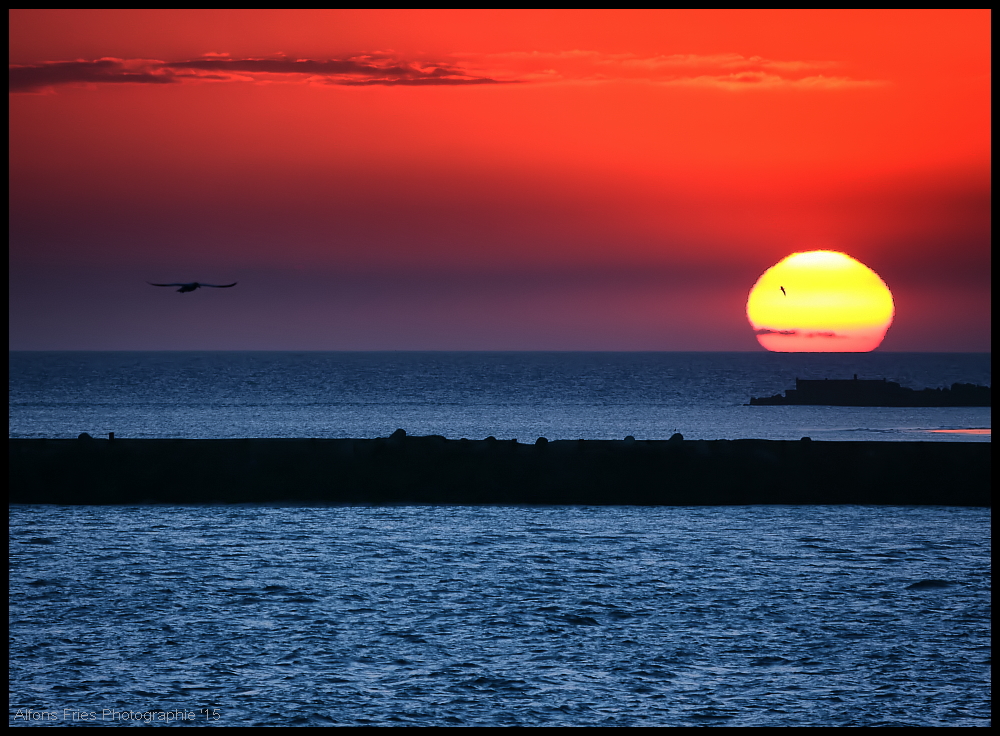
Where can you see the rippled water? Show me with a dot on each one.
(588, 616)
(475, 395)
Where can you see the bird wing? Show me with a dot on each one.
(152, 284)
(220, 286)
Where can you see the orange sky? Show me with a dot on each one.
(488, 179)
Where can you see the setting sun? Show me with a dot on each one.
(820, 301)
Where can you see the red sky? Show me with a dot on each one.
(505, 180)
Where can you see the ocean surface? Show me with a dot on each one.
(500, 616)
(439, 615)
(475, 395)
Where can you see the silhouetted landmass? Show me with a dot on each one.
(404, 469)
(827, 392)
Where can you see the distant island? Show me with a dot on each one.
(855, 392)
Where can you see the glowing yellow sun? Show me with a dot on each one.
(820, 301)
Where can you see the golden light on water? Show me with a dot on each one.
(980, 431)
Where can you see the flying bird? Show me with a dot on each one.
(194, 285)
(783, 290)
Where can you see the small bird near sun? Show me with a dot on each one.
(191, 286)
(820, 301)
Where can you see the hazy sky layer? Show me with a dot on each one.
(488, 180)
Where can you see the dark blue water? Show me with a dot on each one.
(480, 616)
(474, 395)
(740, 616)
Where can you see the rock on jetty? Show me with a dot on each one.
(835, 392)
(406, 469)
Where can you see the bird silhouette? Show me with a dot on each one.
(194, 285)
(783, 290)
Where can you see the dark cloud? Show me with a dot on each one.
(727, 71)
(104, 71)
(292, 66)
(766, 331)
(421, 82)
(354, 71)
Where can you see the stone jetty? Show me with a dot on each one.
(436, 470)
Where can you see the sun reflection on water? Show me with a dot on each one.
(981, 431)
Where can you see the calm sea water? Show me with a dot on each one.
(473, 395)
(493, 616)
(240, 615)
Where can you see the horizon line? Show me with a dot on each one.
(467, 350)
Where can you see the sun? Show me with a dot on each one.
(820, 301)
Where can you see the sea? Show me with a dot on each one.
(416, 615)
(475, 395)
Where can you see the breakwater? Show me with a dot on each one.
(828, 392)
(406, 469)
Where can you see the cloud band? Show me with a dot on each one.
(730, 72)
